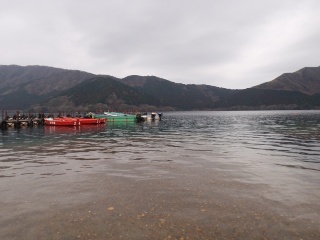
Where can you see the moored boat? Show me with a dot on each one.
(115, 117)
(66, 121)
(61, 121)
(151, 117)
(91, 120)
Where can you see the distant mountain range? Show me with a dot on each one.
(306, 80)
(40, 88)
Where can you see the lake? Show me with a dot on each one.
(193, 175)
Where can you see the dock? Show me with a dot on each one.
(18, 120)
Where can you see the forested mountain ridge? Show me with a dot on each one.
(101, 93)
(47, 89)
(40, 79)
(306, 80)
(181, 96)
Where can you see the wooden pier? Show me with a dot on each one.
(18, 120)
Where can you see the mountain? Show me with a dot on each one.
(48, 88)
(177, 95)
(22, 87)
(40, 88)
(306, 80)
(38, 80)
(266, 99)
(144, 93)
(100, 93)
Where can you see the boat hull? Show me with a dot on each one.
(91, 121)
(121, 119)
(72, 121)
(151, 117)
(116, 118)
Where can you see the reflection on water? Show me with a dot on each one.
(290, 133)
(268, 145)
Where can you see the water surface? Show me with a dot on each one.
(257, 161)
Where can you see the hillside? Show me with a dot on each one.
(23, 87)
(13, 75)
(253, 99)
(39, 88)
(177, 95)
(38, 80)
(306, 80)
(101, 92)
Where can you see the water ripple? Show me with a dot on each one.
(287, 139)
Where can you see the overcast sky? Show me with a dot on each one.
(231, 44)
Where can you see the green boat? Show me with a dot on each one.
(115, 116)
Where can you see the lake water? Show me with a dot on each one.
(265, 162)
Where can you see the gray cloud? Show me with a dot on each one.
(234, 44)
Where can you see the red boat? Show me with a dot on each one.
(65, 121)
(91, 121)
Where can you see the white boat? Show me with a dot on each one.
(152, 116)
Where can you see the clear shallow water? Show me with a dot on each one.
(189, 157)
